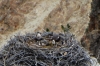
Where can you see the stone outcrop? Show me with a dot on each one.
(91, 42)
(23, 16)
(91, 38)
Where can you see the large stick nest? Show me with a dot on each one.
(44, 49)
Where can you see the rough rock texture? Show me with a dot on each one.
(91, 39)
(91, 42)
(94, 16)
(20, 16)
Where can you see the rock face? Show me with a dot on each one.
(91, 39)
(94, 16)
(91, 42)
(20, 16)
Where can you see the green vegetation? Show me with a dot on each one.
(67, 28)
(47, 30)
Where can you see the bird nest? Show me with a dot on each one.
(44, 49)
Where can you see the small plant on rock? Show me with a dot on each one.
(67, 28)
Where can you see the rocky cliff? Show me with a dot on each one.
(91, 38)
(28, 16)
(23, 16)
